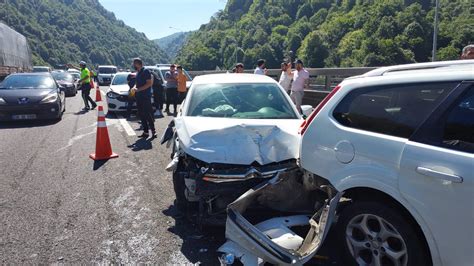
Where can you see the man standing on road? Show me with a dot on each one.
(171, 78)
(300, 83)
(182, 90)
(143, 84)
(85, 82)
(468, 52)
(131, 98)
(260, 70)
(158, 94)
(285, 78)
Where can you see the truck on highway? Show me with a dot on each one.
(15, 53)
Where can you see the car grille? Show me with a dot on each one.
(122, 98)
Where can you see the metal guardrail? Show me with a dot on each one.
(322, 80)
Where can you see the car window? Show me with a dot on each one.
(392, 110)
(28, 82)
(251, 101)
(459, 124)
(120, 80)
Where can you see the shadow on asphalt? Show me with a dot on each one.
(27, 123)
(99, 164)
(199, 245)
(82, 112)
(141, 144)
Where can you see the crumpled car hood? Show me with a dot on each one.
(238, 141)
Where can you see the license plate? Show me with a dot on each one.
(23, 117)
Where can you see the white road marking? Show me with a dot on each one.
(126, 126)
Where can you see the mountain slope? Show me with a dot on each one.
(62, 31)
(171, 44)
(328, 33)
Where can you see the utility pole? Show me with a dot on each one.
(435, 32)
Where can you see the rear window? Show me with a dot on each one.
(395, 110)
(64, 76)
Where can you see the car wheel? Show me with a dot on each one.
(377, 234)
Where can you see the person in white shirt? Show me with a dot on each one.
(285, 77)
(300, 83)
(260, 70)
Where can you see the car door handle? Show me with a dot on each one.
(440, 175)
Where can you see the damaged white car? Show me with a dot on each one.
(387, 158)
(234, 132)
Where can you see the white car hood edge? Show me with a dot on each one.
(238, 141)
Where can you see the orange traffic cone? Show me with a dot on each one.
(103, 150)
(98, 97)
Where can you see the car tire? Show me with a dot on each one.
(371, 231)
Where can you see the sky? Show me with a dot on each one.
(155, 17)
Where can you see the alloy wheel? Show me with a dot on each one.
(374, 241)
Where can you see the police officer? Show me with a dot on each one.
(143, 84)
(85, 85)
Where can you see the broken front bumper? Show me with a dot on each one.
(274, 240)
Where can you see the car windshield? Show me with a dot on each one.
(163, 72)
(28, 82)
(107, 70)
(120, 79)
(245, 101)
(64, 76)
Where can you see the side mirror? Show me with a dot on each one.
(168, 134)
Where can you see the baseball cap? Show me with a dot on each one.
(82, 63)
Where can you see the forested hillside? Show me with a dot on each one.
(173, 43)
(61, 31)
(328, 33)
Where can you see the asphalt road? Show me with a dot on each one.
(59, 206)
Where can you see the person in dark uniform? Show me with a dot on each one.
(143, 85)
(131, 99)
(158, 94)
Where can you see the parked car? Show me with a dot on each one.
(41, 69)
(28, 96)
(234, 131)
(117, 94)
(105, 74)
(66, 81)
(390, 154)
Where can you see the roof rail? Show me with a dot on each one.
(418, 66)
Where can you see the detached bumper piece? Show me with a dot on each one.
(282, 239)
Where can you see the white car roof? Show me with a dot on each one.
(108, 66)
(232, 78)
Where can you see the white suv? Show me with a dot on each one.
(396, 145)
